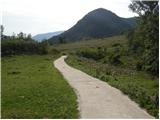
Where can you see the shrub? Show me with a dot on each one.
(139, 65)
(92, 53)
(115, 59)
(14, 47)
(54, 51)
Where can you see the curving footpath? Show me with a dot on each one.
(96, 98)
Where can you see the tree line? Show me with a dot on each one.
(144, 40)
(21, 44)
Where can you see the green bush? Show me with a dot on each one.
(115, 59)
(139, 65)
(54, 51)
(14, 47)
(92, 53)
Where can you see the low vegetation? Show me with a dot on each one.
(33, 88)
(71, 47)
(20, 44)
(138, 85)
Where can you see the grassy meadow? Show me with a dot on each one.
(90, 43)
(33, 88)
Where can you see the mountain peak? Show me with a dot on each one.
(101, 10)
(98, 23)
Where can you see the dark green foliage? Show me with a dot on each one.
(115, 55)
(111, 56)
(61, 40)
(18, 47)
(116, 45)
(21, 35)
(29, 37)
(134, 45)
(2, 29)
(63, 53)
(43, 47)
(23, 44)
(22, 47)
(54, 51)
(139, 65)
(115, 59)
(93, 53)
(145, 39)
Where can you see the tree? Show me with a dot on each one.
(146, 35)
(61, 40)
(13, 36)
(29, 37)
(20, 35)
(143, 8)
(2, 30)
(44, 47)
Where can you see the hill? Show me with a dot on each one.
(98, 23)
(40, 37)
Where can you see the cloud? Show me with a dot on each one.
(38, 16)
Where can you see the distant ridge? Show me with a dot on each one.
(98, 23)
(40, 37)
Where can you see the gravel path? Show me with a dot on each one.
(96, 98)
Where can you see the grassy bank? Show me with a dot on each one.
(139, 86)
(33, 88)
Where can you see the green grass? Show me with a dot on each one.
(139, 86)
(33, 88)
(91, 43)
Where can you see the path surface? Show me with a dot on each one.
(96, 98)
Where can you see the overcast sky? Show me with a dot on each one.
(41, 16)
